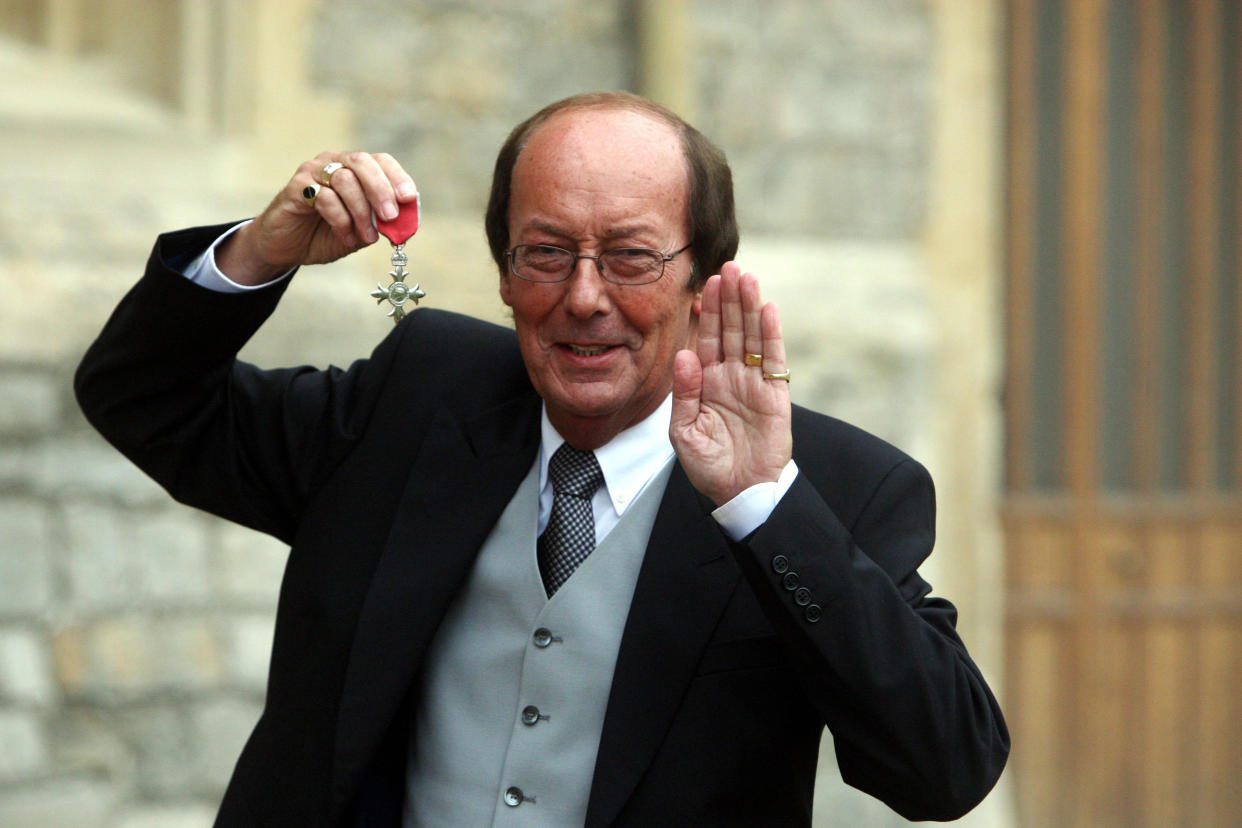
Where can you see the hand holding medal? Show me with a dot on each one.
(398, 231)
(327, 210)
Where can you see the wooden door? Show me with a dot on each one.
(1123, 509)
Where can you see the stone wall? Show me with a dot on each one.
(134, 633)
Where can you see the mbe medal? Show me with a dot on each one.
(398, 231)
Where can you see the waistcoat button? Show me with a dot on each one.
(530, 715)
(543, 637)
(514, 797)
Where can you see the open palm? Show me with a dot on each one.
(730, 425)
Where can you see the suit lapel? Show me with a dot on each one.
(685, 583)
(464, 476)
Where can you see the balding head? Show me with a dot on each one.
(710, 216)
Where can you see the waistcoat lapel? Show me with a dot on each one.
(684, 585)
(459, 484)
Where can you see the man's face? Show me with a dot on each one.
(601, 354)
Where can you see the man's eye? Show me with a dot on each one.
(632, 261)
(543, 257)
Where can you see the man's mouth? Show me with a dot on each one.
(587, 350)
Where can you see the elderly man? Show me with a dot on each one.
(596, 570)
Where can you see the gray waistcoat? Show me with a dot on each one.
(516, 686)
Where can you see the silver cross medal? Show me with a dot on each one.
(398, 231)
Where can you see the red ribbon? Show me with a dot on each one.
(405, 225)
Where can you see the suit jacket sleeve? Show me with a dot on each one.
(162, 384)
(913, 721)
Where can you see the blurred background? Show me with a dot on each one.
(1003, 234)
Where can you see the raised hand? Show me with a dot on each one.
(731, 427)
(295, 230)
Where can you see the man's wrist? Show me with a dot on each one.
(237, 259)
(204, 271)
(752, 507)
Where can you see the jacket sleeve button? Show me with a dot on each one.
(790, 581)
(802, 597)
(780, 564)
(813, 613)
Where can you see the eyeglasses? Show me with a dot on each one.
(622, 265)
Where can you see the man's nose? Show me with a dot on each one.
(586, 291)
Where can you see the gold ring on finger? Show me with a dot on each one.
(777, 375)
(310, 192)
(328, 169)
(754, 359)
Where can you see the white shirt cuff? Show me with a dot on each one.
(203, 271)
(747, 512)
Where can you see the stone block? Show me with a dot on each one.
(69, 659)
(120, 660)
(15, 469)
(76, 801)
(219, 729)
(894, 29)
(189, 815)
(248, 650)
(162, 748)
(25, 748)
(25, 668)
(98, 563)
(86, 738)
(25, 546)
(86, 465)
(119, 557)
(249, 565)
(132, 658)
(135, 657)
(30, 403)
(188, 655)
(171, 560)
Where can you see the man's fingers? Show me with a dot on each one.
(732, 335)
(368, 185)
(371, 176)
(751, 305)
(402, 184)
(708, 346)
(335, 214)
(349, 189)
(773, 342)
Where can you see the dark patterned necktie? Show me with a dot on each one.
(570, 534)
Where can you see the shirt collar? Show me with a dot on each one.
(628, 460)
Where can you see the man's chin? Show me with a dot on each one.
(589, 401)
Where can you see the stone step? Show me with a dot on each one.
(41, 88)
(76, 128)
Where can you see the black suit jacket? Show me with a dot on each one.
(386, 478)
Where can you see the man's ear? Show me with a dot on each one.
(505, 288)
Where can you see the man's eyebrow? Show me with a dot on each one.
(610, 233)
(623, 232)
